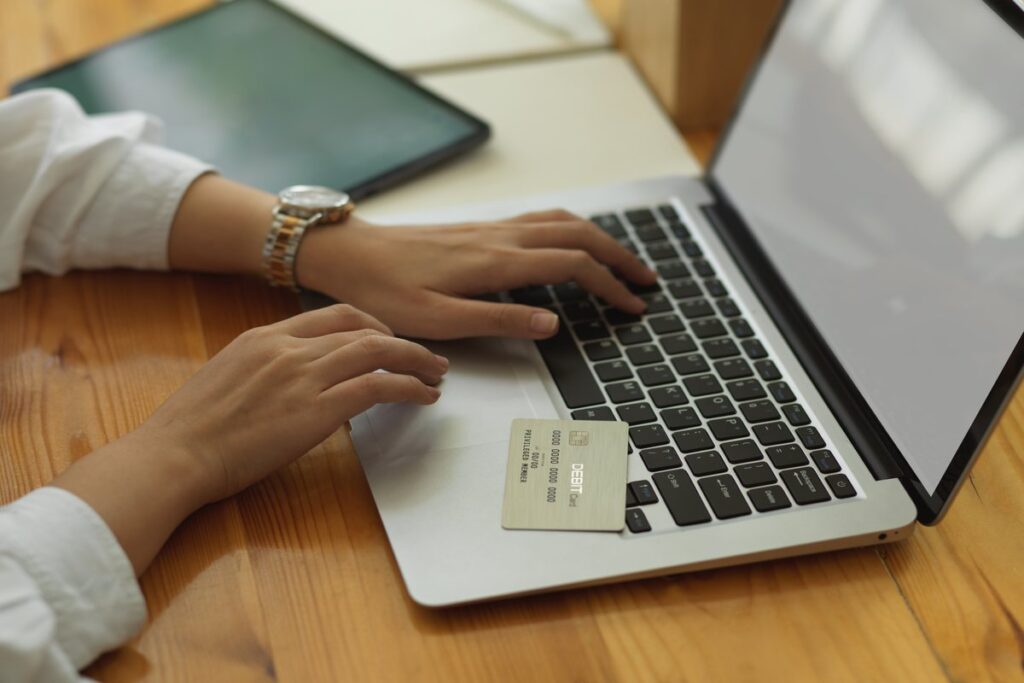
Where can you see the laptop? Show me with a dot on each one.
(837, 326)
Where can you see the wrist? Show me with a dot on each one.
(326, 252)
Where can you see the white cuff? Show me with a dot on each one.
(81, 570)
(130, 220)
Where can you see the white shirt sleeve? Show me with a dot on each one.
(67, 590)
(80, 191)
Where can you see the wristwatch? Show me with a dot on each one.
(299, 208)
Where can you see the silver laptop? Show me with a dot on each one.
(837, 327)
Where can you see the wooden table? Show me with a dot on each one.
(293, 580)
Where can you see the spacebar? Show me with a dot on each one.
(570, 370)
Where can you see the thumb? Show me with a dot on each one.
(474, 318)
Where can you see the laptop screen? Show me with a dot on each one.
(878, 158)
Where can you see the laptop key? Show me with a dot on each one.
(668, 212)
(745, 389)
(684, 289)
(702, 385)
(703, 464)
(610, 223)
(825, 461)
(679, 230)
(666, 397)
(755, 474)
(805, 486)
(772, 433)
(693, 440)
(810, 437)
(681, 498)
(696, 308)
(690, 364)
(636, 521)
(781, 392)
(645, 436)
(613, 370)
(767, 371)
(603, 413)
(725, 496)
(657, 459)
(715, 406)
(666, 324)
(570, 371)
(715, 288)
(733, 368)
(632, 334)
(720, 348)
(673, 270)
(639, 289)
(650, 232)
(640, 216)
(769, 498)
(741, 328)
(578, 311)
(569, 291)
(643, 492)
(703, 268)
(727, 428)
(754, 349)
(656, 303)
(789, 455)
(841, 486)
(759, 411)
(661, 251)
(705, 328)
(691, 249)
(741, 451)
(680, 418)
(796, 415)
(728, 308)
(630, 497)
(590, 330)
(656, 375)
(644, 354)
(636, 413)
(678, 343)
(624, 392)
(602, 350)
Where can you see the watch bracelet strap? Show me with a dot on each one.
(281, 246)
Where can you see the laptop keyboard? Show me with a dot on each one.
(718, 429)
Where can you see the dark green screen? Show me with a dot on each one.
(270, 100)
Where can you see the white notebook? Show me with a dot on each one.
(424, 35)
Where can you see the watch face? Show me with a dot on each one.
(313, 198)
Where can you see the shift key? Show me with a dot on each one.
(681, 497)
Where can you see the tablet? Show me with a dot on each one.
(272, 101)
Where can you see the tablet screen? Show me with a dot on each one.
(272, 101)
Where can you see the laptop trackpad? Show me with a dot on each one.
(490, 383)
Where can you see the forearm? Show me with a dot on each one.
(142, 488)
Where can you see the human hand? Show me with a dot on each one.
(418, 279)
(277, 391)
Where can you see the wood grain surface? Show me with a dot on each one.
(293, 580)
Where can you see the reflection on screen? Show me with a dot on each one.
(879, 159)
(267, 99)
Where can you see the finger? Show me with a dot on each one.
(545, 216)
(552, 266)
(456, 318)
(356, 395)
(378, 352)
(336, 318)
(590, 238)
(321, 346)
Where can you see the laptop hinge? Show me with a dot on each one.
(874, 446)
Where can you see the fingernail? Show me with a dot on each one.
(652, 275)
(543, 323)
(639, 304)
(434, 393)
(443, 362)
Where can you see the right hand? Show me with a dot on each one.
(277, 391)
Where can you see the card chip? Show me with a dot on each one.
(577, 438)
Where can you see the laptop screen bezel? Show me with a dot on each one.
(849, 405)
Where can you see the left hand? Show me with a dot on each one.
(418, 280)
